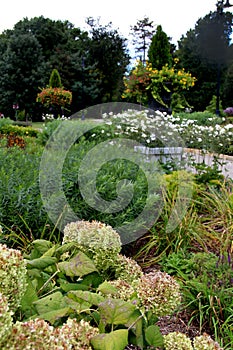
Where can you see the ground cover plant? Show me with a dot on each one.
(73, 283)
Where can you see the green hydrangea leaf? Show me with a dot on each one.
(116, 311)
(40, 246)
(79, 265)
(42, 262)
(51, 302)
(107, 288)
(89, 297)
(54, 315)
(30, 296)
(116, 340)
(153, 336)
(67, 287)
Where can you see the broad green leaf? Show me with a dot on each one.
(65, 248)
(67, 287)
(78, 305)
(50, 252)
(116, 340)
(54, 315)
(107, 288)
(153, 336)
(42, 262)
(40, 246)
(30, 296)
(116, 311)
(79, 265)
(91, 298)
(51, 302)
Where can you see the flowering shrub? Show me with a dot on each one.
(204, 341)
(97, 240)
(12, 275)
(5, 319)
(79, 334)
(121, 290)
(179, 341)
(145, 81)
(127, 269)
(39, 335)
(163, 130)
(152, 130)
(54, 97)
(158, 292)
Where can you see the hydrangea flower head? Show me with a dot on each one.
(97, 240)
(158, 292)
(13, 280)
(5, 319)
(177, 341)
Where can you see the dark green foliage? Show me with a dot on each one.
(109, 53)
(204, 51)
(20, 76)
(227, 87)
(93, 76)
(159, 52)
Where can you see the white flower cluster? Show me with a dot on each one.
(97, 240)
(179, 341)
(5, 319)
(46, 117)
(159, 293)
(149, 129)
(162, 130)
(127, 269)
(39, 335)
(12, 275)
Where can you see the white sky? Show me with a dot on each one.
(175, 16)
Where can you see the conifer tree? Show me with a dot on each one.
(55, 79)
(159, 52)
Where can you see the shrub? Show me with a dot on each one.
(5, 319)
(12, 275)
(8, 128)
(177, 341)
(158, 292)
(127, 269)
(97, 240)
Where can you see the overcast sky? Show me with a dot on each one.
(175, 16)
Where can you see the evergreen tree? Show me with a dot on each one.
(159, 52)
(55, 79)
(204, 52)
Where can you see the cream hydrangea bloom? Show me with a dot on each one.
(205, 342)
(158, 292)
(177, 341)
(97, 240)
(5, 319)
(13, 280)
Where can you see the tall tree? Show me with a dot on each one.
(204, 52)
(159, 52)
(109, 52)
(22, 69)
(142, 33)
